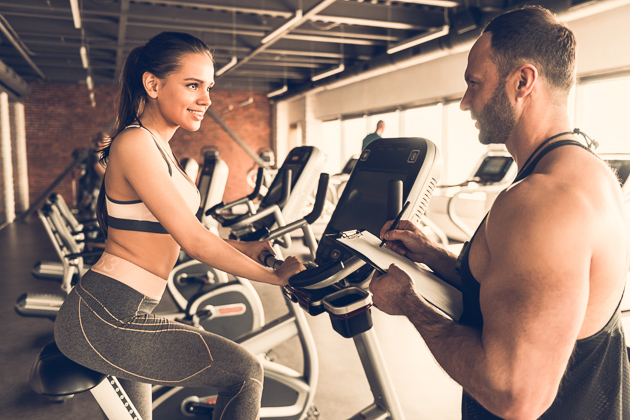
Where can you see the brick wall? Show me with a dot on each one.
(60, 119)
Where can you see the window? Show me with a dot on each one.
(391, 120)
(424, 122)
(354, 130)
(602, 112)
(597, 106)
(331, 139)
(462, 148)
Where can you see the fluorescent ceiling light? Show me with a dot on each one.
(228, 66)
(277, 92)
(328, 73)
(365, 22)
(84, 57)
(284, 28)
(417, 40)
(76, 15)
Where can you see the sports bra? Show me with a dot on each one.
(134, 215)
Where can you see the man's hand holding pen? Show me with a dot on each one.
(408, 240)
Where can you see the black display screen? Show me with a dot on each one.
(365, 202)
(493, 169)
(275, 189)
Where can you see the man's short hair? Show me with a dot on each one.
(533, 34)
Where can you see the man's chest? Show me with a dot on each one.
(479, 254)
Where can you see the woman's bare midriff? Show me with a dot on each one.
(155, 252)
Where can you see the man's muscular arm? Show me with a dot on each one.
(534, 292)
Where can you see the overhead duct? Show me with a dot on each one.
(387, 63)
(455, 42)
(12, 82)
(8, 33)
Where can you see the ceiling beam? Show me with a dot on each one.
(305, 16)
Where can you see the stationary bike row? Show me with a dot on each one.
(287, 394)
(71, 252)
(205, 296)
(230, 309)
(84, 232)
(338, 284)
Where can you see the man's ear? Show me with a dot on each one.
(151, 84)
(524, 80)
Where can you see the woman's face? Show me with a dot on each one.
(184, 95)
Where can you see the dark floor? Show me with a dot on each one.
(425, 392)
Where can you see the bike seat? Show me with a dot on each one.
(54, 374)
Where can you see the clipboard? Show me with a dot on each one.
(432, 288)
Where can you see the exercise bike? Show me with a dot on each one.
(337, 281)
(287, 394)
(236, 307)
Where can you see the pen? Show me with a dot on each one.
(396, 220)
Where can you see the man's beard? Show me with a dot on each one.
(496, 119)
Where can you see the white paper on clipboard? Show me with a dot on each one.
(435, 290)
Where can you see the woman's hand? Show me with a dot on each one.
(289, 267)
(408, 240)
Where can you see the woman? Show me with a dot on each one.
(147, 207)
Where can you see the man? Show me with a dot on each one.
(543, 276)
(380, 127)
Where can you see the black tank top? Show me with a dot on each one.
(596, 384)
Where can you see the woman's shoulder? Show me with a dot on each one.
(131, 139)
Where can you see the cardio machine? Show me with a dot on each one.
(85, 232)
(287, 394)
(229, 305)
(388, 172)
(458, 209)
(620, 163)
(231, 309)
(338, 282)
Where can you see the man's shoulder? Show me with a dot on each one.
(538, 192)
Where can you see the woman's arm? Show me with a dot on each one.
(140, 172)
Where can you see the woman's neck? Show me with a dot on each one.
(158, 126)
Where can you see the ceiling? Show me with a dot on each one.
(269, 44)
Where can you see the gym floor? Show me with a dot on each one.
(425, 391)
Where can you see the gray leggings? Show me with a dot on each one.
(108, 327)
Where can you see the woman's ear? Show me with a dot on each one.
(151, 84)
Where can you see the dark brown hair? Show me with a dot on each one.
(533, 34)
